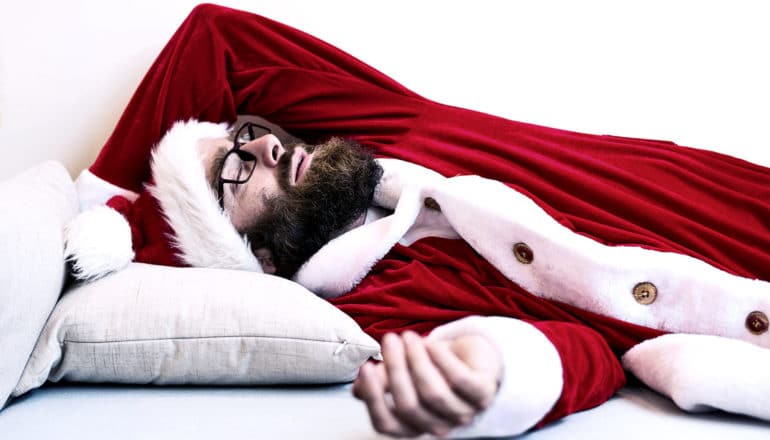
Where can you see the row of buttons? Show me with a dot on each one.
(645, 292)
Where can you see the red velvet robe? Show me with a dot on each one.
(618, 191)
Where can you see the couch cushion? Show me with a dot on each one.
(36, 206)
(165, 325)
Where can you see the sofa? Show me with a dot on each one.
(153, 351)
(143, 355)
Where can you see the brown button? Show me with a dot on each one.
(757, 322)
(523, 253)
(431, 203)
(645, 293)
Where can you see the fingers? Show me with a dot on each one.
(407, 404)
(473, 386)
(434, 386)
(370, 388)
(376, 369)
(433, 390)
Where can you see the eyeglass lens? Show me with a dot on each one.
(239, 164)
(249, 132)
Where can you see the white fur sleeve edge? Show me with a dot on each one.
(532, 378)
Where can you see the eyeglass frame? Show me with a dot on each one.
(243, 155)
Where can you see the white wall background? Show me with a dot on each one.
(695, 72)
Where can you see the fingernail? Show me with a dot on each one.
(440, 432)
(413, 335)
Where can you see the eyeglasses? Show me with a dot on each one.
(238, 165)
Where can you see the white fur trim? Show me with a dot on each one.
(692, 296)
(94, 191)
(97, 242)
(203, 233)
(532, 378)
(703, 372)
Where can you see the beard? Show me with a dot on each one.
(335, 191)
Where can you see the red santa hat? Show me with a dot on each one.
(175, 221)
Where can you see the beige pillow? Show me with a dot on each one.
(36, 205)
(163, 325)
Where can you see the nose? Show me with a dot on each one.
(267, 149)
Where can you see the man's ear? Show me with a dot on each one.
(265, 258)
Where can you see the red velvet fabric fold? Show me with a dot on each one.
(222, 62)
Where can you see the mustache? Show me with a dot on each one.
(284, 164)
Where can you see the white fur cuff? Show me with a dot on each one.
(700, 372)
(532, 379)
(97, 242)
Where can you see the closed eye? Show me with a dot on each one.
(247, 167)
(241, 171)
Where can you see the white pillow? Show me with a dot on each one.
(36, 205)
(164, 325)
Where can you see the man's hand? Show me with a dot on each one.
(428, 386)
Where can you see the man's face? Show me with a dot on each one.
(298, 197)
(245, 202)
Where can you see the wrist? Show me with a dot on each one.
(480, 353)
(531, 380)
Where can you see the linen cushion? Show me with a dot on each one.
(166, 325)
(36, 206)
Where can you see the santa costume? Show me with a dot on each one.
(570, 251)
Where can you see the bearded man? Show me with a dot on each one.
(502, 302)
